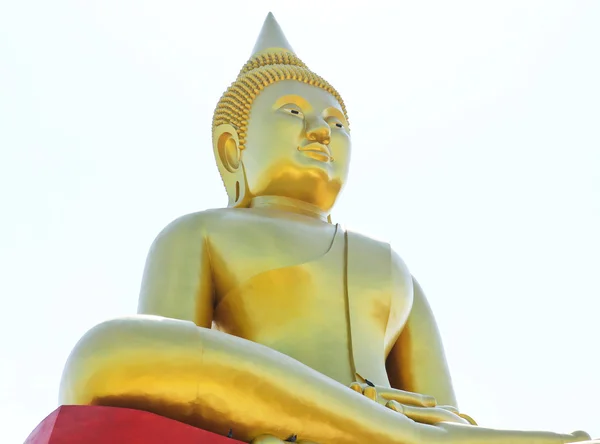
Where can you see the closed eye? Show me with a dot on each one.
(334, 122)
(291, 109)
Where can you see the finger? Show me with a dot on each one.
(407, 397)
(356, 387)
(365, 389)
(431, 415)
(388, 394)
(468, 418)
(395, 406)
(450, 408)
(370, 392)
(359, 386)
(454, 410)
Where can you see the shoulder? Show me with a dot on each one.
(382, 249)
(199, 222)
(361, 242)
(193, 226)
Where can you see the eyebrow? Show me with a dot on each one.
(292, 98)
(335, 112)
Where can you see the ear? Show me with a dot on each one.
(226, 147)
(227, 142)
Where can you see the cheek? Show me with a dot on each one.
(272, 143)
(341, 147)
(341, 167)
(286, 130)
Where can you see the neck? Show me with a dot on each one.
(290, 205)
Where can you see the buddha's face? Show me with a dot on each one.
(297, 144)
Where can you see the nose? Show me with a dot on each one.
(317, 130)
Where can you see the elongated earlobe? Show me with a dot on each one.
(226, 145)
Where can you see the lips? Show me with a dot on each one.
(316, 151)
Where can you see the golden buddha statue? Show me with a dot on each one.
(265, 317)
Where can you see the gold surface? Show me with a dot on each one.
(266, 318)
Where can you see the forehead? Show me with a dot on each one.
(316, 97)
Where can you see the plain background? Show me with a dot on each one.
(476, 153)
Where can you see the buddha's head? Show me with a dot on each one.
(280, 129)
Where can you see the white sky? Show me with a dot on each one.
(476, 153)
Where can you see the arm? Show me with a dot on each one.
(417, 362)
(177, 280)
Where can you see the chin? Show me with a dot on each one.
(306, 179)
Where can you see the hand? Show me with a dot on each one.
(419, 408)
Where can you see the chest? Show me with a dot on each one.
(294, 266)
(259, 245)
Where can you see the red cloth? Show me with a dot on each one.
(78, 424)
